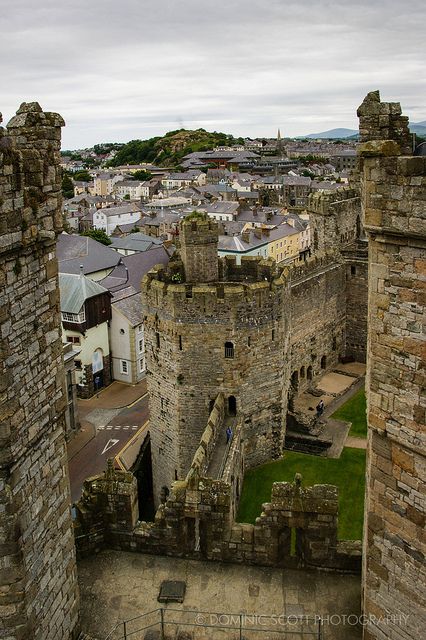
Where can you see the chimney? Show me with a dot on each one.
(265, 232)
(245, 236)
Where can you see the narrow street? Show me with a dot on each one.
(106, 430)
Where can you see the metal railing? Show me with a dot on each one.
(229, 626)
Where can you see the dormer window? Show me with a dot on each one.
(78, 318)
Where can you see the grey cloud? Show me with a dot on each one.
(121, 70)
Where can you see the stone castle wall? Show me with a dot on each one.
(336, 225)
(394, 207)
(187, 329)
(38, 585)
(298, 528)
(333, 218)
(317, 317)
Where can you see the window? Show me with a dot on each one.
(353, 270)
(124, 367)
(157, 338)
(77, 364)
(78, 318)
(73, 339)
(273, 335)
(180, 343)
(140, 345)
(141, 365)
(229, 350)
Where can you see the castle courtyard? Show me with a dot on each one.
(119, 586)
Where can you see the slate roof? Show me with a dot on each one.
(75, 290)
(74, 250)
(117, 211)
(222, 207)
(238, 245)
(131, 308)
(123, 283)
(135, 242)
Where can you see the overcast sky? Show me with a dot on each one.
(120, 70)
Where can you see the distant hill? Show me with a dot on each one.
(333, 133)
(168, 150)
(419, 128)
(415, 127)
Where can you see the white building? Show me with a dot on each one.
(109, 217)
(127, 340)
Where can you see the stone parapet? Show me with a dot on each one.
(322, 202)
(383, 121)
(297, 528)
(320, 261)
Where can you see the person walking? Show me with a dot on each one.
(320, 408)
(228, 434)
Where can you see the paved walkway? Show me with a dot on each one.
(118, 586)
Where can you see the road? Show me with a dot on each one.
(112, 435)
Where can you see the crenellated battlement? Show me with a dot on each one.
(324, 202)
(383, 121)
(198, 228)
(320, 261)
(254, 281)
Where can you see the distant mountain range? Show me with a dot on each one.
(415, 127)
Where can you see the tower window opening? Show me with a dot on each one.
(157, 339)
(229, 349)
(180, 343)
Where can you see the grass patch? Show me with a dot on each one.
(354, 411)
(347, 472)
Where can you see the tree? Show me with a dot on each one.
(141, 175)
(126, 197)
(82, 176)
(67, 186)
(99, 235)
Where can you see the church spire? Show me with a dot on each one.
(279, 144)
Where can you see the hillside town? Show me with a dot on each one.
(257, 192)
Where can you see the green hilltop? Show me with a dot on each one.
(169, 149)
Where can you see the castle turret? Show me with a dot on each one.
(198, 240)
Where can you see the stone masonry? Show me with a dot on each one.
(298, 528)
(38, 585)
(394, 207)
(209, 338)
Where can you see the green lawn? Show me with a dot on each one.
(347, 472)
(354, 411)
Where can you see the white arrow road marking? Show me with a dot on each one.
(110, 444)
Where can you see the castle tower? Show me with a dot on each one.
(226, 331)
(38, 582)
(394, 207)
(199, 239)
